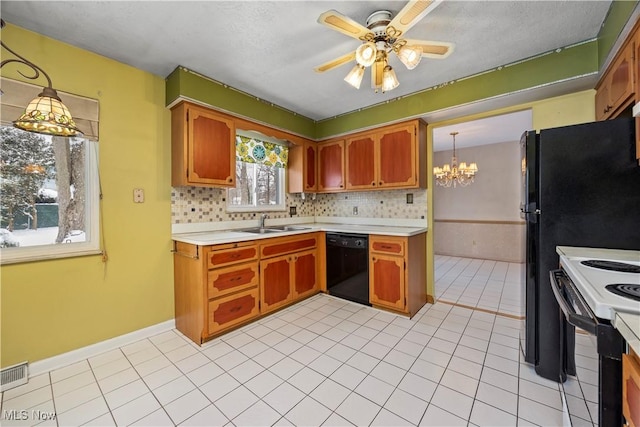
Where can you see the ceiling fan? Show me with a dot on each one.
(381, 36)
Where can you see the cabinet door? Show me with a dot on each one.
(310, 173)
(631, 389)
(275, 282)
(305, 277)
(361, 161)
(397, 151)
(602, 101)
(211, 148)
(621, 83)
(387, 281)
(331, 166)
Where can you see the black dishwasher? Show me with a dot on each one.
(348, 266)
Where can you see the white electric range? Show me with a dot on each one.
(589, 288)
(590, 270)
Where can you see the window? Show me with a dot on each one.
(260, 174)
(49, 189)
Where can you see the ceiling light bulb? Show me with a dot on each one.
(366, 54)
(354, 78)
(389, 79)
(410, 56)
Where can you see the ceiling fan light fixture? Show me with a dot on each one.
(354, 78)
(389, 79)
(366, 54)
(410, 56)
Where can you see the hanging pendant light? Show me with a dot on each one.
(46, 113)
(454, 174)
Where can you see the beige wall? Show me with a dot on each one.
(481, 220)
(490, 227)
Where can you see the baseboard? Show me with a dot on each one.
(74, 356)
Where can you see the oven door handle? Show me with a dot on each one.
(584, 322)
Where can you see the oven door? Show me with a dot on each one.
(610, 343)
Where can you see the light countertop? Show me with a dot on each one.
(204, 238)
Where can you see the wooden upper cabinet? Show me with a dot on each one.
(302, 168)
(361, 162)
(385, 158)
(203, 147)
(331, 166)
(615, 91)
(397, 157)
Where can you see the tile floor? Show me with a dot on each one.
(484, 284)
(323, 361)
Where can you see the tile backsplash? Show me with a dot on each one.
(201, 205)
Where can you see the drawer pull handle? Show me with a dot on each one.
(235, 279)
(385, 246)
(234, 309)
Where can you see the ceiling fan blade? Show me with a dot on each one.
(431, 49)
(335, 62)
(411, 13)
(341, 23)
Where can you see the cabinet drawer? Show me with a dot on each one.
(222, 281)
(631, 389)
(219, 258)
(388, 245)
(232, 310)
(277, 246)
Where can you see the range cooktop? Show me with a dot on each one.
(612, 265)
(593, 270)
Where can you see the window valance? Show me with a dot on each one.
(253, 150)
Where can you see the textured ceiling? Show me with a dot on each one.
(269, 49)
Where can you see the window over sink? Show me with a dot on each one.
(260, 174)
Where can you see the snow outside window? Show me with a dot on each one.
(260, 175)
(49, 204)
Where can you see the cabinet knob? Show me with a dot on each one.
(373, 184)
(230, 180)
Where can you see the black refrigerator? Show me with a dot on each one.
(580, 187)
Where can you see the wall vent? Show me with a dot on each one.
(13, 376)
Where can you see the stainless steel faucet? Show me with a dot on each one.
(262, 218)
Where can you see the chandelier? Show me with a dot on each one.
(46, 113)
(455, 174)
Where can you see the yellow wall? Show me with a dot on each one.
(52, 307)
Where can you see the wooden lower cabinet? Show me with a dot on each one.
(287, 277)
(397, 272)
(220, 287)
(631, 389)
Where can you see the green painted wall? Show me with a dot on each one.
(619, 14)
(182, 82)
(51, 307)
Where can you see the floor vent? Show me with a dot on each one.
(13, 376)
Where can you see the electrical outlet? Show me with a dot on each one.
(355, 210)
(138, 195)
(292, 210)
(409, 198)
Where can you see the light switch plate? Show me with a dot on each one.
(138, 195)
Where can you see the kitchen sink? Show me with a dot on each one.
(290, 228)
(275, 229)
(258, 230)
